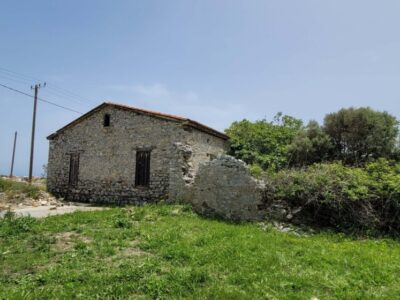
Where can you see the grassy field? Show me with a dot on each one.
(167, 251)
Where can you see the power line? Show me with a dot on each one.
(69, 95)
(52, 91)
(40, 99)
(17, 80)
(64, 94)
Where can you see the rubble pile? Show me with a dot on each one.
(13, 200)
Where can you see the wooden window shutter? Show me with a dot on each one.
(142, 175)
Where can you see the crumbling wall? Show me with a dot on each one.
(224, 188)
(194, 147)
(181, 173)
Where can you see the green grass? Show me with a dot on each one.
(162, 251)
(12, 188)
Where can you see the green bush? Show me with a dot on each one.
(256, 171)
(353, 136)
(346, 198)
(311, 145)
(263, 143)
(11, 224)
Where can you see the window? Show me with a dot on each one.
(142, 175)
(106, 121)
(73, 169)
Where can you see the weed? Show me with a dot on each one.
(11, 224)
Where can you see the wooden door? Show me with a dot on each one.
(142, 175)
(74, 169)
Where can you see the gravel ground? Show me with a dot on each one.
(49, 210)
(44, 205)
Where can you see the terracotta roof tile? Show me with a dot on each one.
(186, 121)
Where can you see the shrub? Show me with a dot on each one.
(385, 184)
(256, 170)
(311, 145)
(11, 224)
(263, 143)
(345, 198)
(123, 220)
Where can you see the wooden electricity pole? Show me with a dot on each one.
(13, 155)
(36, 88)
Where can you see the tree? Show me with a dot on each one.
(311, 145)
(396, 153)
(359, 134)
(263, 143)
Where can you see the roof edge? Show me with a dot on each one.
(185, 121)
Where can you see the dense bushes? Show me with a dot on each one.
(346, 198)
(353, 136)
(311, 145)
(337, 174)
(263, 143)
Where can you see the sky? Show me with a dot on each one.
(213, 61)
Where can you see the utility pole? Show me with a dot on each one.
(36, 88)
(13, 155)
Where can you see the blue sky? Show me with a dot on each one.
(211, 60)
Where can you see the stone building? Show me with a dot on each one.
(120, 154)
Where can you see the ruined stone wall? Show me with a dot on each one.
(196, 147)
(108, 157)
(224, 188)
(205, 147)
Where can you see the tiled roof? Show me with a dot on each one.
(184, 121)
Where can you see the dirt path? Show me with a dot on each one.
(49, 210)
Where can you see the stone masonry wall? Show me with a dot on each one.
(108, 154)
(224, 188)
(197, 148)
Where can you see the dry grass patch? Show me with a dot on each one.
(66, 241)
(133, 250)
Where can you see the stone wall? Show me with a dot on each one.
(183, 165)
(108, 154)
(224, 188)
(181, 173)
